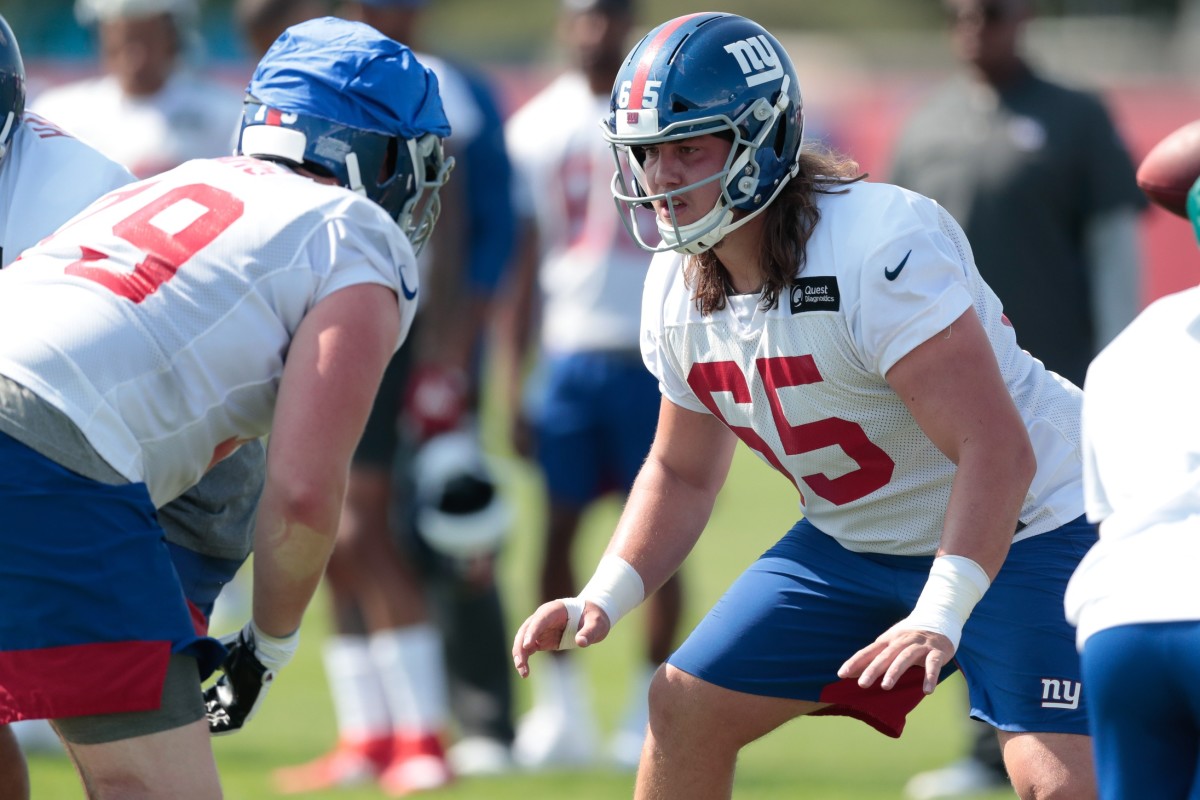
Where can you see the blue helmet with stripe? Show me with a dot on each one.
(341, 99)
(12, 85)
(707, 73)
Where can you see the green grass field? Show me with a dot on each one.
(826, 758)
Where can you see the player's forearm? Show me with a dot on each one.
(661, 523)
(986, 499)
(293, 539)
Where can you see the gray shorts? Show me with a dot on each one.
(182, 704)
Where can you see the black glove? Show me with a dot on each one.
(232, 700)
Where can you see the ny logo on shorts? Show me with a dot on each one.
(1060, 693)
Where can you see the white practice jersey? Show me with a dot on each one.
(160, 318)
(591, 271)
(46, 178)
(188, 118)
(1142, 473)
(803, 383)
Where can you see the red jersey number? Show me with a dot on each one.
(165, 251)
(875, 467)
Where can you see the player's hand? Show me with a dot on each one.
(894, 653)
(253, 661)
(544, 631)
(435, 401)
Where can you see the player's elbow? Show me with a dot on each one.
(311, 503)
(1015, 457)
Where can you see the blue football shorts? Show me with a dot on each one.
(793, 618)
(1145, 701)
(94, 606)
(594, 424)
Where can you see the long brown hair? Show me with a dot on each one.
(790, 220)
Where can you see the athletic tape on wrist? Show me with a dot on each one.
(273, 652)
(574, 613)
(616, 588)
(955, 585)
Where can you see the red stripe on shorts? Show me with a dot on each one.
(82, 679)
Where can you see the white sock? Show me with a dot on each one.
(358, 697)
(562, 687)
(413, 669)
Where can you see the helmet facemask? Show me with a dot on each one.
(740, 176)
(430, 171)
(707, 73)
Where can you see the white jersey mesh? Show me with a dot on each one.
(166, 341)
(803, 383)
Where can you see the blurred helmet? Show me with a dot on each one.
(459, 513)
(12, 85)
(340, 99)
(706, 73)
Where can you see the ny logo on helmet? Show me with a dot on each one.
(757, 59)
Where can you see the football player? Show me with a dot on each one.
(418, 635)
(146, 342)
(46, 177)
(151, 109)
(1133, 598)
(840, 329)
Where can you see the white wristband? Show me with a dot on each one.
(955, 585)
(616, 588)
(273, 652)
(574, 613)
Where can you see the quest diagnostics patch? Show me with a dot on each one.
(815, 294)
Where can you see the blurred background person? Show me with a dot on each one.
(151, 110)
(419, 637)
(259, 22)
(1041, 182)
(590, 406)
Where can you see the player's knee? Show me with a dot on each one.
(1060, 769)
(677, 709)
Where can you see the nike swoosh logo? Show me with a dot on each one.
(892, 274)
(409, 294)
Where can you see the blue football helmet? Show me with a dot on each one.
(12, 85)
(342, 100)
(706, 73)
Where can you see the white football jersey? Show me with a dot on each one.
(803, 383)
(46, 178)
(1142, 473)
(188, 118)
(591, 271)
(160, 318)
